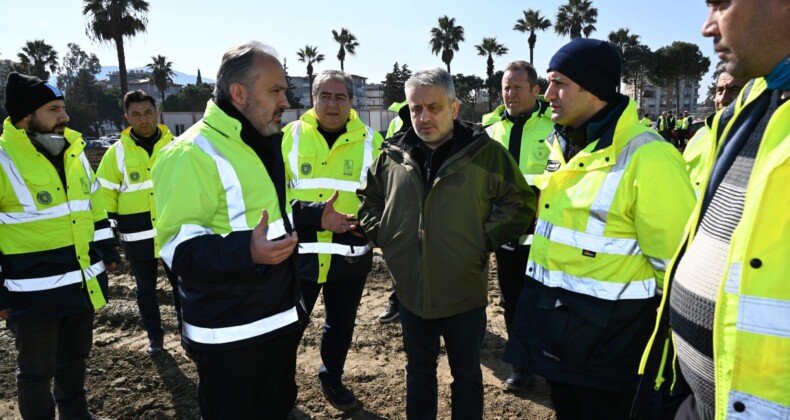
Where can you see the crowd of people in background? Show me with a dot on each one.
(639, 282)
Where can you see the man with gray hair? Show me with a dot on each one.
(225, 227)
(439, 198)
(330, 149)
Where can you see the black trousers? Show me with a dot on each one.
(51, 348)
(253, 382)
(510, 268)
(573, 402)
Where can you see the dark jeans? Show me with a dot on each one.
(341, 300)
(51, 348)
(462, 334)
(253, 382)
(145, 275)
(573, 402)
(510, 268)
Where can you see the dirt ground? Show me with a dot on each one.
(124, 383)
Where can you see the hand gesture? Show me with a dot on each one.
(338, 222)
(268, 252)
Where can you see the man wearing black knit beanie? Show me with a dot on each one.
(612, 194)
(54, 242)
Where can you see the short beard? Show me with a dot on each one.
(35, 126)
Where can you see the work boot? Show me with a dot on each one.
(519, 379)
(155, 346)
(338, 396)
(391, 314)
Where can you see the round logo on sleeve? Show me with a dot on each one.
(44, 197)
(306, 169)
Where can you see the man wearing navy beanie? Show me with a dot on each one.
(608, 224)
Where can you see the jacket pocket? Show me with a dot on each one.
(572, 329)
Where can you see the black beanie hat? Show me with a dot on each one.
(593, 64)
(25, 94)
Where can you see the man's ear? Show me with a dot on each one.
(238, 95)
(456, 107)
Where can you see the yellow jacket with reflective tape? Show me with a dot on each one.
(751, 332)
(314, 172)
(125, 177)
(697, 156)
(210, 188)
(396, 122)
(48, 230)
(608, 218)
(534, 152)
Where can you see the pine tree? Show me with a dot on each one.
(199, 80)
(290, 93)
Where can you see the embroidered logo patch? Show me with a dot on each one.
(134, 176)
(588, 253)
(44, 197)
(540, 153)
(86, 186)
(348, 167)
(306, 168)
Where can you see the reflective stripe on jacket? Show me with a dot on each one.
(315, 172)
(48, 230)
(209, 182)
(751, 332)
(608, 218)
(125, 177)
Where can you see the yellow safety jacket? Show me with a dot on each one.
(125, 177)
(48, 230)
(697, 155)
(751, 333)
(608, 218)
(314, 172)
(662, 123)
(396, 122)
(534, 152)
(208, 182)
(646, 122)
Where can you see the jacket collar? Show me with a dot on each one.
(354, 122)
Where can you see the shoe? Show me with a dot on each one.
(519, 379)
(339, 396)
(391, 314)
(155, 346)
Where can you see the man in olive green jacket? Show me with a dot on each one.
(439, 198)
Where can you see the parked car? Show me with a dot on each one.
(96, 144)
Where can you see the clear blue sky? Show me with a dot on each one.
(194, 34)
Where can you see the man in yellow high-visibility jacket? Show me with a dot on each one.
(699, 149)
(330, 149)
(607, 226)
(521, 125)
(125, 176)
(225, 226)
(728, 299)
(55, 242)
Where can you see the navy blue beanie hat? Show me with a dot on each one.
(24, 94)
(591, 63)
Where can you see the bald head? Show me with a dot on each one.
(727, 89)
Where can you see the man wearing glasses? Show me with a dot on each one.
(327, 154)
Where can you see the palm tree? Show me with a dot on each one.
(111, 21)
(348, 44)
(623, 39)
(161, 74)
(36, 58)
(532, 22)
(576, 17)
(310, 55)
(490, 47)
(445, 39)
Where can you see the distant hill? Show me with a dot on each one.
(180, 78)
